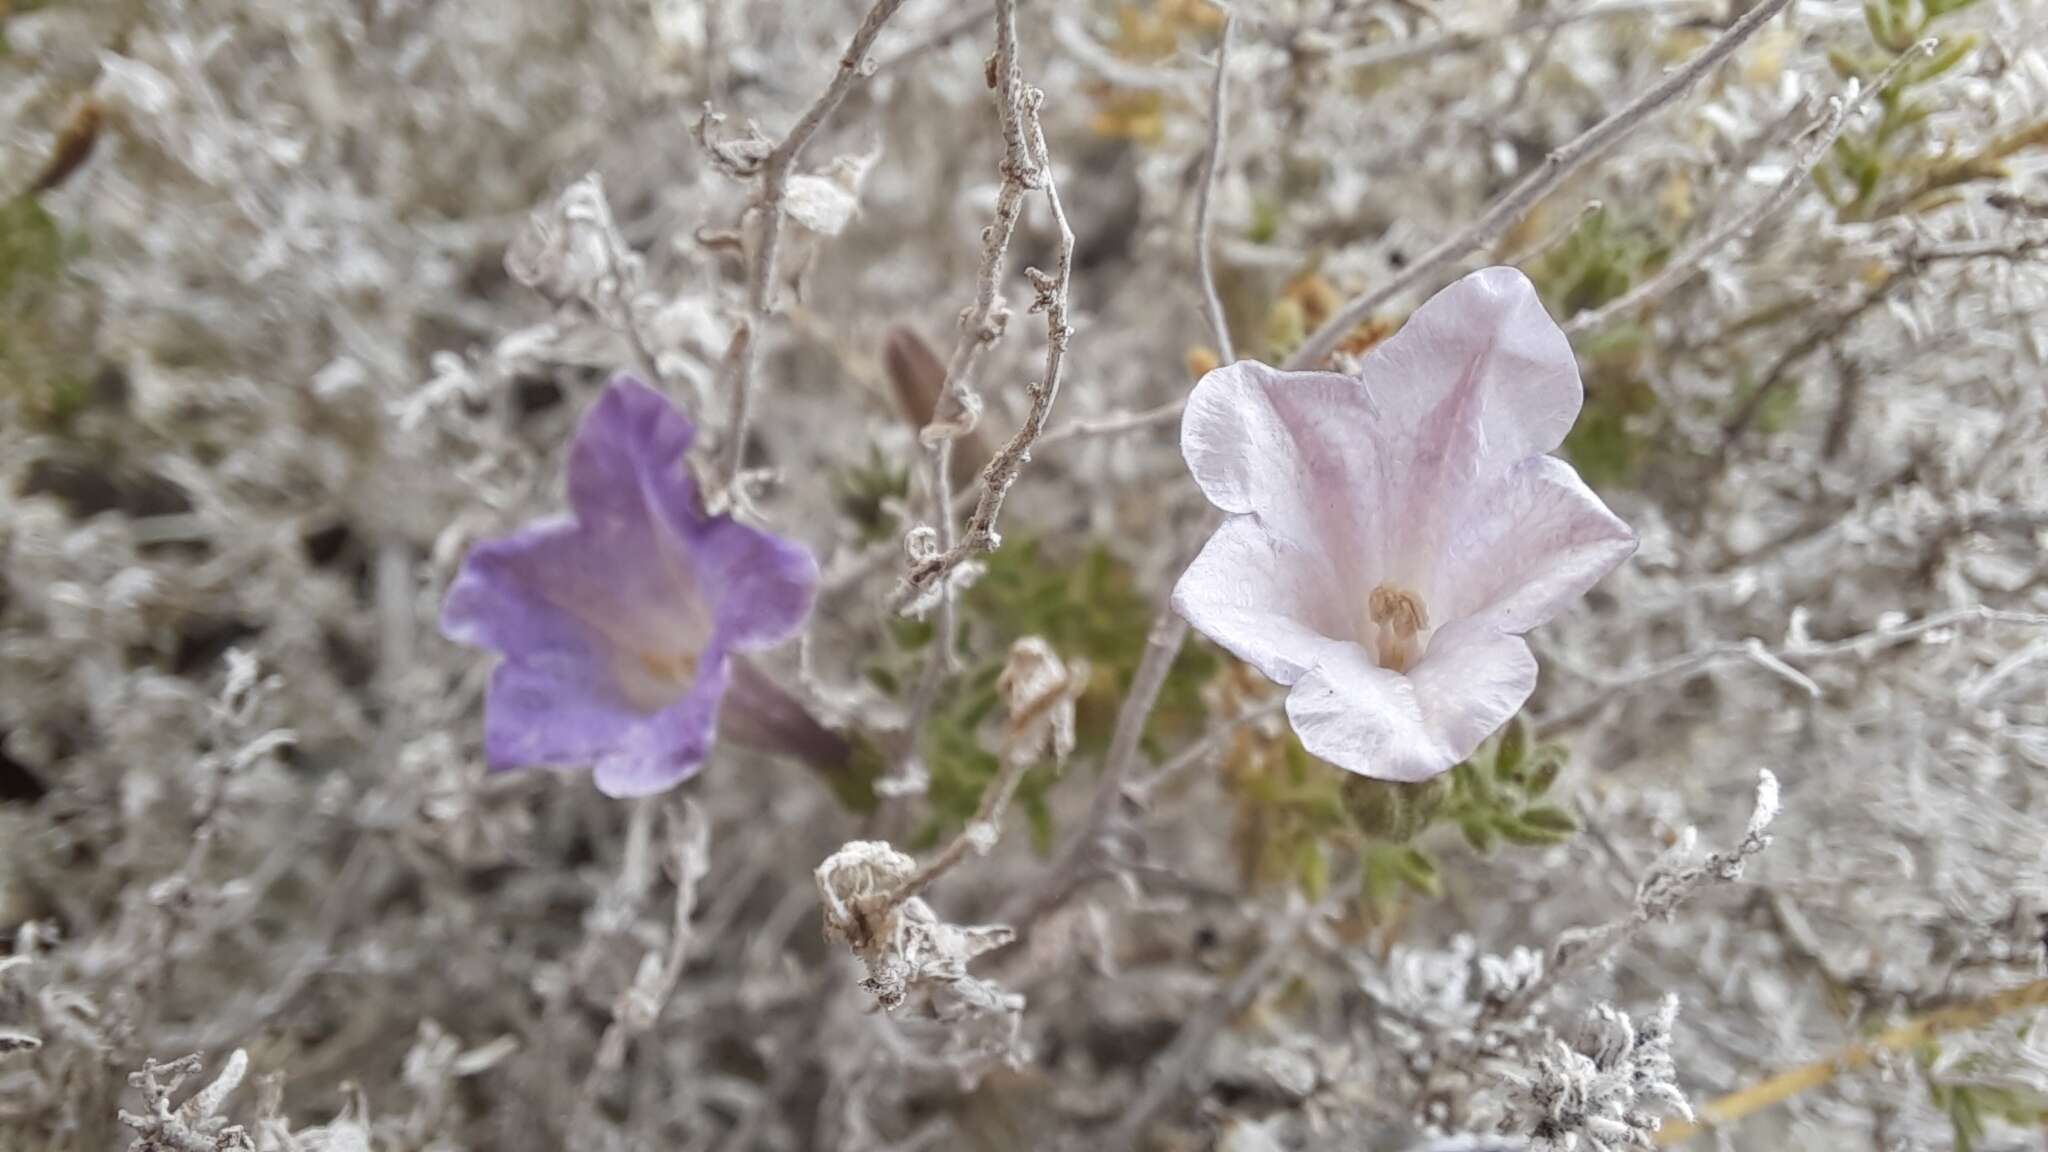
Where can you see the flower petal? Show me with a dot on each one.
(1269, 601)
(556, 716)
(1480, 376)
(496, 600)
(763, 584)
(1472, 680)
(1365, 719)
(669, 746)
(629, 453)
(1478, 380)
(1257, 439)
(571, 586)
(617, 626)
(1533, 544)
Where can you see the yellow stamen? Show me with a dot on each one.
(1401, 617)
(673, 667)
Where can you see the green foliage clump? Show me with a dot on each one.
(1968, 1099)
(35, 367)
(1886, 170)
(1289, 813)
(1294, 814)
(1088, 608)
(1497, 796)
(864, 492)
(1598, 263)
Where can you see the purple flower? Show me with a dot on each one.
(1392, 535)
(620, 626)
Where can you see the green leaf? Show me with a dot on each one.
(1419, 872)
(1516, 830)
(1849, 67)
(912, 635)
(1265, 221)
(1878, 16)
(31, 248)
(855, 785)
(1550, 818)
(1383, 880)
(1478, 785)
(1546, 764)
(1286, 327)
(1966, 1119)
(1038, 815)
(1311, 868)
(1479, 833)
(1947, 57)
(1512, 751)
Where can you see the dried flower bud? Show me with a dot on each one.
(1040, 691)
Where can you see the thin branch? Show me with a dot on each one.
(1554, 237)
(1914, 259)
(1212, 163)
(1693, 259)
(978, 836)
(767, 210)
(1002, 472)
(1114, 424)
(1162, 646)
(1026, 168)
(1191, 1045)
(1782, 660)
(1669, 882)
(1169, 632)
(850, 571)
(1562, 163)
(953, 29)
(1447, 41)
(1202, 749)
(1904, 1038)
(639, 1006)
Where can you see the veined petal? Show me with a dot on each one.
(1266, 442)
(1530, 545)
(1302, 452)
(1370, 469)
(1479, 374)
(1365, 719)
(635, 501)
(1478, 380)
(1269, 601)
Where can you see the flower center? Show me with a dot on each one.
(652, 678)
(1399, 618)
(674, 667)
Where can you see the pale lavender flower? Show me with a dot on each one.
(620, 626)
(1393, 534)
